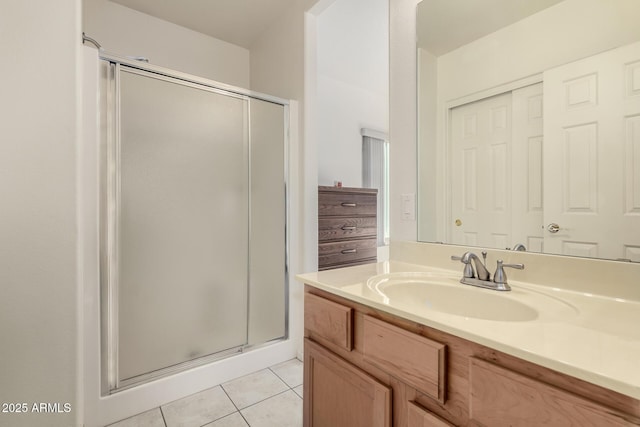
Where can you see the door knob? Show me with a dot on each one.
(553, 227)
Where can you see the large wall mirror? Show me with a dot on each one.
(529, 125)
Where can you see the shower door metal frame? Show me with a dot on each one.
(109, 211)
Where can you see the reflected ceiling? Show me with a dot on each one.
(444, 25)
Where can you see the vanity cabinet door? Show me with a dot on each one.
(420, 417)
(338, 394)
(501, 397)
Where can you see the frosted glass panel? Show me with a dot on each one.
(268, 216)
(183, 224)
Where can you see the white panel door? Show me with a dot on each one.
(592, 155)
(526, 213)
(481, 173)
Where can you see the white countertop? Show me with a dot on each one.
(594, 338)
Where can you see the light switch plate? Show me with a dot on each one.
(409, 207)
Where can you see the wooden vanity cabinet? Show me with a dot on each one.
(434, 379)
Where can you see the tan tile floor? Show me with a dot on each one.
(268, 398)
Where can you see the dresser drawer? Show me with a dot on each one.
(347, 251)
(346, 204)
(330, 228)
(414, 359)
(329, 320)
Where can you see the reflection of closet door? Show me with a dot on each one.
(526, 212)
(592, 155)
(481, 172)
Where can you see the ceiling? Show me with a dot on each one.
(235, 21)
(445, 25)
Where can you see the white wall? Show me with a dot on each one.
(40, 45)
(352, 85)
(402, 113)
(427, 154)
(278, 68)
(565, 32)
(126, 32)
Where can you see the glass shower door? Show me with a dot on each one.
(179, 224)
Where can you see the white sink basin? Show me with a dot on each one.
(428, 292)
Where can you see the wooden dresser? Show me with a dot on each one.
(347, 226)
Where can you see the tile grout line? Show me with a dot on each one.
(264, 400)
(286, 383)
(278, 376)
(229, 397)
(234, 405)
(281, 379)
(260, 401)
(164, 420)
(289, 388)
(267, 398)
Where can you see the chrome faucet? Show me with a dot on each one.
(480, 276)
(481, 271)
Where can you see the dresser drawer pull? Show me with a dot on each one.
(349, 251)
(348, 227)
(349, 205)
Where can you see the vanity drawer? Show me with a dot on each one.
(344, 203)
(501, 397)
(332, 228)
(414, 359)
(329, 320)
(347, 251)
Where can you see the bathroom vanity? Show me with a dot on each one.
(404, 344)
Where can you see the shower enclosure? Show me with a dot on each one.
(193, 221)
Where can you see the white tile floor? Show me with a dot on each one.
(268, 398)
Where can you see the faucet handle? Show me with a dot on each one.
(468, 268)
(516, 266)
(500, 277)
